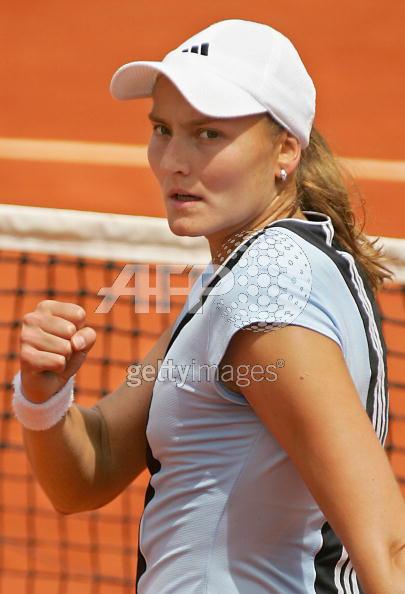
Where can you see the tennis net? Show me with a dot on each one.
(69, 256)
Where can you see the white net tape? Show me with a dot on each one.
(121, 237)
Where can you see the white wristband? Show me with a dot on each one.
(43, 415)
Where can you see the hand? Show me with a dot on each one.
(50, 349)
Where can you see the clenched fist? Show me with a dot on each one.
(54, 342)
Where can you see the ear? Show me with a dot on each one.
(289, 153)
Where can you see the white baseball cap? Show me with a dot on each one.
(232, 68)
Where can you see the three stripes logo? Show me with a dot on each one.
(198, 49)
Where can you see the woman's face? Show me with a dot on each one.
(230, 164)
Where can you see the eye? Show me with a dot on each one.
(210, 134)
(160, 129)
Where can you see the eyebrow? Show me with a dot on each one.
(197, 122)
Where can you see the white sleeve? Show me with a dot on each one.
(279, 280)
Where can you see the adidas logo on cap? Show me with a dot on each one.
(198, 49)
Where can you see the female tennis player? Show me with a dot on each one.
(264, 436)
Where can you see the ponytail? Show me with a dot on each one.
(323, 186)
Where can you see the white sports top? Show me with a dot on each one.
(226, 511)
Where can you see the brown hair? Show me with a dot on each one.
(323, 185)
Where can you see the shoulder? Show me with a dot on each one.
(273, 278)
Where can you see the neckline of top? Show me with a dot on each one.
(315, 218)
(313, 214)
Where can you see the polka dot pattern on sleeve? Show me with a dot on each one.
(269, 285)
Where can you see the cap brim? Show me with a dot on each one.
(205, 90)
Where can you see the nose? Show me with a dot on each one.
(176, 157)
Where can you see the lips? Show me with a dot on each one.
(185, 198)
(181, 195)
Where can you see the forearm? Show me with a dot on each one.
(376, 548)
(382, 568)
(70, 459)
(398, 570)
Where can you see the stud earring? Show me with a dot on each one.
(283, 175)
